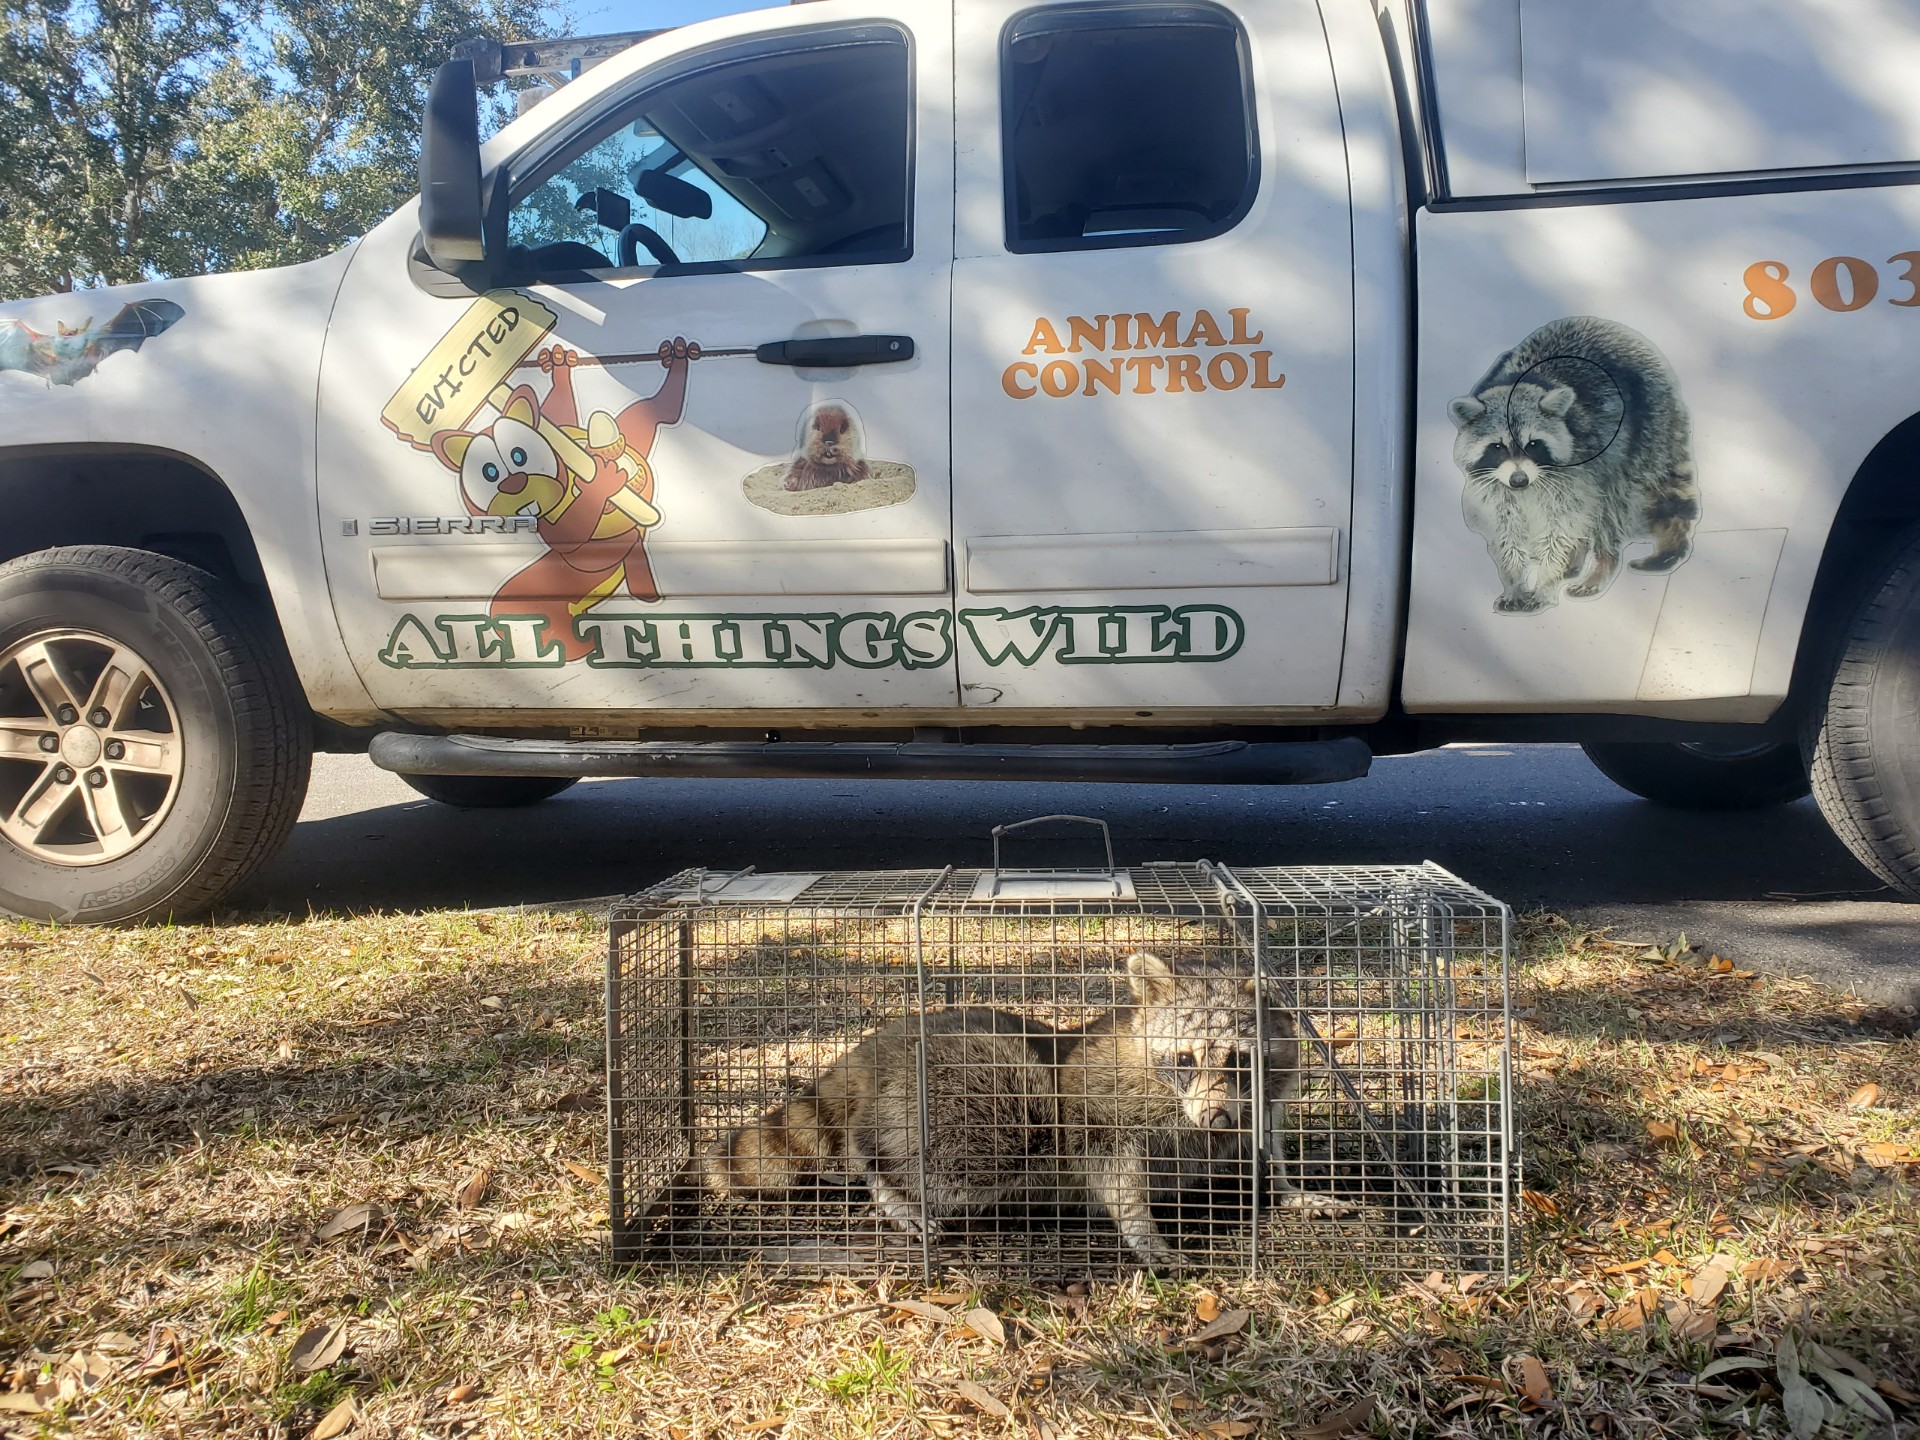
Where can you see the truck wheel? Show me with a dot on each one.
(490, 792)
(1702, 776)
(154, 741)
(1862, 745)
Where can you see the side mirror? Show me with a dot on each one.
(611, 210)
(670, 194)
(451, 214)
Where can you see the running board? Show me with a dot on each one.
(1217, 762)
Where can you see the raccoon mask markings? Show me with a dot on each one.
(1575, 443)
(1170, 1077)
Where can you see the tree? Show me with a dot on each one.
(141, 138)
(95, 104)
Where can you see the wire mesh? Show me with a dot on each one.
(1062, 1072)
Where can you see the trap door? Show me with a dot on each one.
(1154, 368)
(756, 432)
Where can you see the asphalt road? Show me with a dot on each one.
(1536, 826)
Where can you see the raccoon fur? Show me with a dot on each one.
(1170, 1078)
(989, 1108)
(1575, 443)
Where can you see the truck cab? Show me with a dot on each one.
(1132, 390)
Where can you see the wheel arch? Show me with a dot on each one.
(141, 497)
(1882, 501)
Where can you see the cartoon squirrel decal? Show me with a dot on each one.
(595, 526)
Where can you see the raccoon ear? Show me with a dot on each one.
(1149, 976)
(1465, 411)
(1557, 401)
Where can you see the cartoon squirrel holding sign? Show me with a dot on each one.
(595, 526)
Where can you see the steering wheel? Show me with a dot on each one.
(636, 235)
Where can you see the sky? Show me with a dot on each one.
(596, 17)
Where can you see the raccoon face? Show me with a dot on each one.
(1512, 439)
(1200, 1032)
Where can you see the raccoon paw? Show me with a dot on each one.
(1663, 561)
(1161, 1259)
(1585, 590)
(1520, 604)
(1312, 1202)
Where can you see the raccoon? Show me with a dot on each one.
(989, 1109)
(1170, 1077)
(1576, 443)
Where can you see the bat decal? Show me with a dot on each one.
(75, 352)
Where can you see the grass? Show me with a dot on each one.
(1721, 1230)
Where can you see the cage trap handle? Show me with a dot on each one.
(1105, 833)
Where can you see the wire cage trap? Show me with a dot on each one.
(1062, 1072)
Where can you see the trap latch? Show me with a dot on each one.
(1001, 883)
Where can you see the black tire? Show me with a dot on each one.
(245, 740)
(490, 792)
(1859, 736)
(1703, 776)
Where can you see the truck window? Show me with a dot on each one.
(802, 156)
(1125, 126)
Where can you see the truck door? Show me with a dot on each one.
(1153, 353)
(692, 453)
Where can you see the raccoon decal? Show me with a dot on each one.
(1575, 444)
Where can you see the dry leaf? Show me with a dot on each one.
(924, 1311)
(20, 1402)
(946, 1297)
(1765, 1268)
(981, 1399)
(1894, 1390)
(1539, 1200)
(338, 1420)
(591, 1100)
(1231, 1323)
(1341, 1422)
(592, 1177)
(1689, 1322)
(318, 1346)
(1886, 1154)
(984, 1323)
(36, 1270)
(1229, 1428)
(1533, 1381)
(1632, 1313)
(363, 1216)
(1865, 1098)
(460, 1394)
(1584, 1302)
(1664, 1133)
(492, 1002)
(1664, 1256)
(1707, 1283)
(1806, 1412)
(756, 1427)
(475, 1190)
(1207, 1308)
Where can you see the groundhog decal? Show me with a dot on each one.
(1575, 444)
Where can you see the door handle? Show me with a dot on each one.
(831, 352)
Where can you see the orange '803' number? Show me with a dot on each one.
(1769, 297)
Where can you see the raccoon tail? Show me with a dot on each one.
(772, 1155)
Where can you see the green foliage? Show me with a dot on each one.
(878, 1371)
(142, 138)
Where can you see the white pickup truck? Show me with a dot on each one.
(1128, 390)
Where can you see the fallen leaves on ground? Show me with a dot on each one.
(198, 1202)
